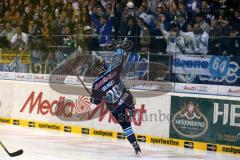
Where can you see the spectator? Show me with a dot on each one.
(231, 44)
(2, 8)
(85, 17)
(123, 23)
(137, 3)
(43, 5)
(27, 16)
(128, 10)
(189, 27)
(63, 21)
(20, 39)
(175, 43)
(132, 33)
(182, 10)
(68, 42)
(7, 17)
(36, 12)
(172, 9)
(201, 39)
(45, 16)
(152, 6)
(157, 14)
(147, 18)
(236, 28)
(26, 3)
(45, 31)
(131, 10)
(80, 15)
(192, 7)
(3, 39)
(162, 18)
(9, 31)
(53, 24)
(235, 22)
(105, 3)
(190, 44)
(158, 44)
(13, 11)
(1, 28)
(205, 9)
(33, 29)
(79, 38)
(54, 15)
(57, 5)
(34, 39)
(103, 25)
(76, 18)
(69, 9)
(200, 20)
(230, 4)
(91, 40)
(19, 20)
(145, 39)
(98, 10)
(214, 44)
(181, 19)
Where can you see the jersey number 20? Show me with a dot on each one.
(113, 95)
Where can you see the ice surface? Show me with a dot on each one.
(50, 145)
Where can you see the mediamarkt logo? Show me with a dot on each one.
(189, 121)
(79, 109)
(61, 107)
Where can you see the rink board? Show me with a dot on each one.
(119, 135)
(34, 107)
(39, 102)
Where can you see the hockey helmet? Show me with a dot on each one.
(99, 65)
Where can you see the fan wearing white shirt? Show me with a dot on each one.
(20, 39)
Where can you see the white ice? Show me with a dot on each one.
(50, 145)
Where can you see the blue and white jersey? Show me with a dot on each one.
(109, 86)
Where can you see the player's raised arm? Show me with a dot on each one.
(120, 57)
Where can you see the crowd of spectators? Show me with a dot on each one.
(156, 26)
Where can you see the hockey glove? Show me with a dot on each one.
(95, 101)
(131, 111)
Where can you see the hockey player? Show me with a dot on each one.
(109, 88)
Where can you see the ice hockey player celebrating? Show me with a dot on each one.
(109, 88)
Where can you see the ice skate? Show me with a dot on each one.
(137, 149)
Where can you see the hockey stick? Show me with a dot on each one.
(76, 74)
(14, 154)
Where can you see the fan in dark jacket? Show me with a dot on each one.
(132, 33)
(158, 44)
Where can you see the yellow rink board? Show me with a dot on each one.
(117, 135)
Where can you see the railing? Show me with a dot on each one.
(204, 74)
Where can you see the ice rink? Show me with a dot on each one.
(50, 145)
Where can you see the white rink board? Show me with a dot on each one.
(152, 117)
(6, 100)
(196, 88)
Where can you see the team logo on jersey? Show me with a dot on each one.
(189, 121)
